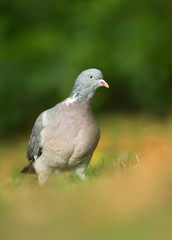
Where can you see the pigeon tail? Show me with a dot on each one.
(28, 169)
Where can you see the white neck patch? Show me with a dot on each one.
(71, 99)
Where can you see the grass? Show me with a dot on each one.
(127, 193)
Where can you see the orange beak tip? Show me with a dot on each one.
(107, 85)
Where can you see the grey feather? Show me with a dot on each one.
(35, 146)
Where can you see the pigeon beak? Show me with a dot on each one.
(105, 84)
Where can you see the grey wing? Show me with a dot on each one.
(35, 143)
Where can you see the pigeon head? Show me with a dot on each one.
(86, 84)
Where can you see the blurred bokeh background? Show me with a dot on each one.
(44, 45)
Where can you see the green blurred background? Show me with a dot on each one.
(44, 45)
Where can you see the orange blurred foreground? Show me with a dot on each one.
(131, 198)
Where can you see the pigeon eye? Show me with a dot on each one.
(90, 76)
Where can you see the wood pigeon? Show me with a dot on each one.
(65, 136)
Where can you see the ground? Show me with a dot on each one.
(127, 193)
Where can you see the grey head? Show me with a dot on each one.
(86, 84)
